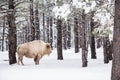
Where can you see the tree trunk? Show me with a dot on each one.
(48, 29)
(106, 49)
(32, 21)
(111, 51)
(23, 34)
(26, 35)
(44, 29)
(28, 31)
(76, 35)
(7, 46)
(80, 35)
(69, 34)
(51, 32)
(59, 39)
(84, 45)
(64, 35)
(37, 27)
(99, 42)
(3, 40)
(80, 29)
(12, 33)
(116, 43)
(92, 44)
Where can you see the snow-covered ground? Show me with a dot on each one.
(52, 69)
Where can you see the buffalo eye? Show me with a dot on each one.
(47, 45)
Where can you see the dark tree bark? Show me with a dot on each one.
(7, 43)
(51, 32)
(92, 44)
(3, 40)
(99, 42)
(32, 21)
(108, 49)
(76, 35)
(116, 43)
(111, 51)
(12, 32)
(44, 29)
(59, 39)
(37, 27)
(26, 35)
(106, 45)
(80, 34)
(69, 34)
(84, 45)
(28, 31)
(48, 29)
(64, 35)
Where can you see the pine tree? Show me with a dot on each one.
(32, 21)
(116, 43)
(76, 35)
(69, 34)
(51, 32)
(92, 44)
(12, 32)
(48, 29)
(80, 30)
(84, 44)
(106, 49)
(64, 29)
(111, 51)
(3, 35)
(44, 27)
(37, 27)
(59, 39)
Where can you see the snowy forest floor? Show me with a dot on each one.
(52, 69)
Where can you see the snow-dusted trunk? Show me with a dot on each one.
(92, 43)
(12, 32)
(68, 34)
(64, 29)
(116, 43)
(76, 43)
(59, 40)
(32, 21)
(37, 27)
(84, 43)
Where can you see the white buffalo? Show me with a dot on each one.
(35, 49)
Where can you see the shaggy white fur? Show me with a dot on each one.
(35, 49)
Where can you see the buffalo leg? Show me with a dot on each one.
(20, 59)
(37, 58)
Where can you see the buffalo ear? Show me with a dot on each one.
(47, 45)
